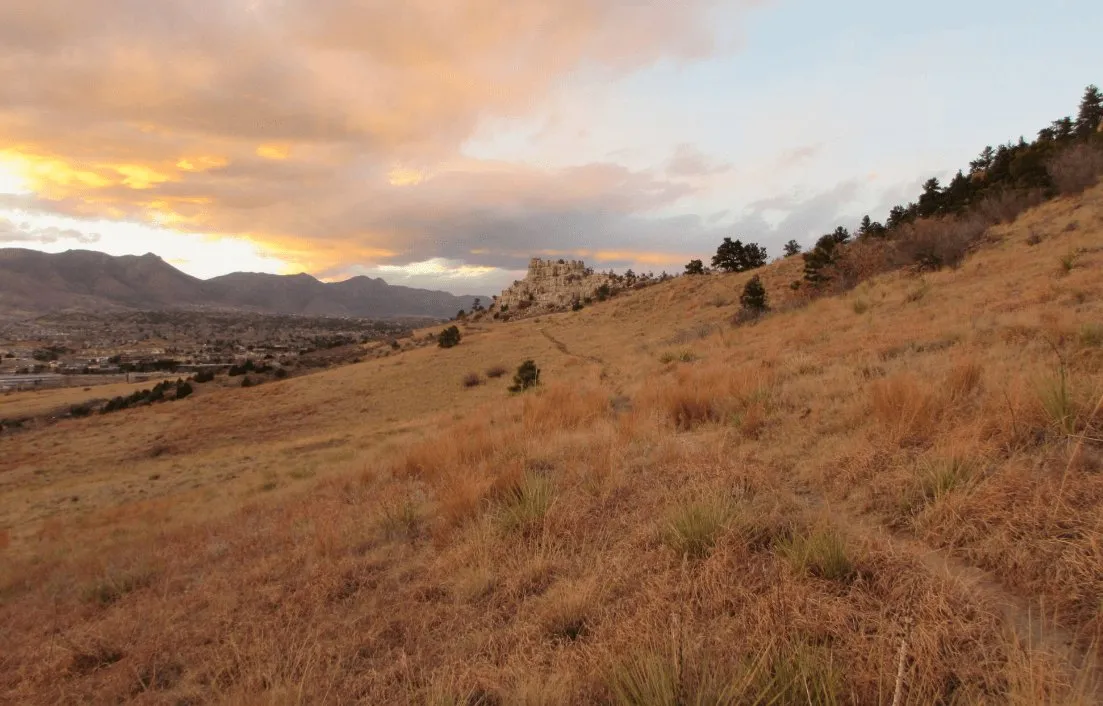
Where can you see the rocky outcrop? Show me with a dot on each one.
(552, 285)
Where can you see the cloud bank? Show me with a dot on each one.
(330, 132)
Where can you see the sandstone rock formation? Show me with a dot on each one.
(552, 285)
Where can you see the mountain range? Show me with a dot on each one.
(34, 283)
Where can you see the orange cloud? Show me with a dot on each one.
(157, 113)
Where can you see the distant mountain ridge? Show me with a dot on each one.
(33, 283)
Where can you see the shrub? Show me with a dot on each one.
(80, 410)
(472, 380)
(280, 373)
(603, 292)
(528, 375)
(203, 376)
(449, 337)
(246, 382)
(695, 267)
(931, 244)
(792, 248)
(183, 389)
(496, 372)
(1076, 168)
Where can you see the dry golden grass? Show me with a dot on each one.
(776, 516)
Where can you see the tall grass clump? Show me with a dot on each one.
(692, 529)
(781, 676)
(821, 553)
(1056, 397)
(400, 520)
(523, 504)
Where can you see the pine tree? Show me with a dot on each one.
(695, 267)
(753, 299)
(930, 201)
(792, 248)
(1064, 128)
(864, 226)
(984, 161)
(734, 256)
(1091, 113)
(728, 255)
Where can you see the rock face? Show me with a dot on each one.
(552, 285)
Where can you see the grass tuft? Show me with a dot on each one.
(1055, 395)
(692, 529)
(682, 356)
(401, 520)
(524, 504)
(821, 553)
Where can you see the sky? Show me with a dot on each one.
(441, 144)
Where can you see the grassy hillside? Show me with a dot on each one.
(897, 491)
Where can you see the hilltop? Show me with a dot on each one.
(34, 283)
(893, 488)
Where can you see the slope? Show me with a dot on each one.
(892, 492)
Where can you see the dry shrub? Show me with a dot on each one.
(496, 372)
(962, 380)
(858, 262)
(1006, 205)
(933, 243)
(472, 380)
(1076, 169)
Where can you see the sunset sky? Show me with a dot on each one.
(441, 143)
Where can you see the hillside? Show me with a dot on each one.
(895, 490)
(33, 282)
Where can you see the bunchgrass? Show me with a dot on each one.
(692, 529)
(523, 506)
(819, 552)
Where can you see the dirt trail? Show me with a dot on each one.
(1029, 621)
(567, 351)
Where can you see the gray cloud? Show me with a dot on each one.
(25, 233)
(688, 161)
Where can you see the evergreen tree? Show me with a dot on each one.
(1090, 115)
(930, 201)
(792, 248)
(984, 161)
(728, 256)
(753, 299)
(959, 194)
(734, 256)
(1064, 128)
(695, 267)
